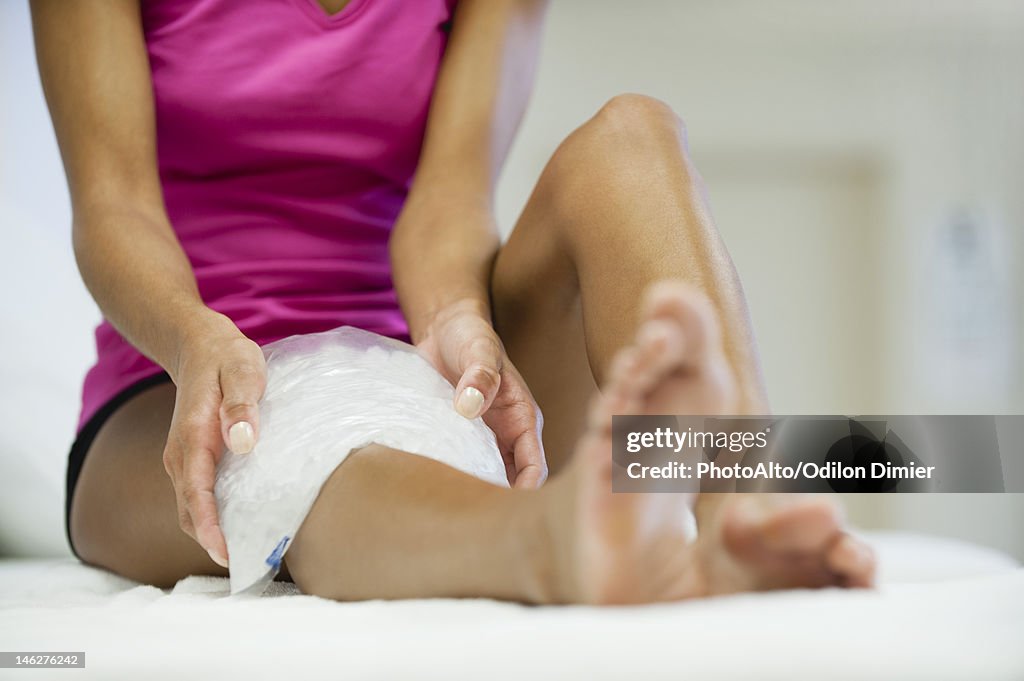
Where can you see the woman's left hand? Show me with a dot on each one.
(461, 344)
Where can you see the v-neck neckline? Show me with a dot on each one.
(314, 9)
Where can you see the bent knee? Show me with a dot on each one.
(637, 115)
(633, 128)
(631, 138)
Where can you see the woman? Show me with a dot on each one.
(241, 172)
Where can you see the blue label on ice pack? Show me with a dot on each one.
(274, 559)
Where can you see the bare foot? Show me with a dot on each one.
(635, 548)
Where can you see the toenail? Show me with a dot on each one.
(656, 333)
(650, 332)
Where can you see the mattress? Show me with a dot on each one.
(944, 610)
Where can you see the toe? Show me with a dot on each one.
(853, 561)
(660, 351)
(602, 407)
(624, 394)
(687, 307)
(622, 367)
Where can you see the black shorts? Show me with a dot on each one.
(82, 444)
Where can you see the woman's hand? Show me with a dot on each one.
(220, 378)
(461, 343)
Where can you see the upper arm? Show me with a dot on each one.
(95, 73)
(483, 87)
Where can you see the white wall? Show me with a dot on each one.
(838, 141)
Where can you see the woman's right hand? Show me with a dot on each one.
(220, 377)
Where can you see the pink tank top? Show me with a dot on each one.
(286, 139)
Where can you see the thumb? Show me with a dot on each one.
(242, 387)
(480, 365)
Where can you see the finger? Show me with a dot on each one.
(172, 464)
(480, 365)
(199, 472)
(530, 463)
(241, 384)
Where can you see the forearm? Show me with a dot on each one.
(95, 73)
(442, 259)
(445, 241)
(135, 269)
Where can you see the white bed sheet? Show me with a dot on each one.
(945, 610)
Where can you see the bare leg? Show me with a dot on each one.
(392, 525)
(633, 548)
(387, 524)
(619, 207)
(123, 516)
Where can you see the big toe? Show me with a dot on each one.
(687, 307)
(659, 351)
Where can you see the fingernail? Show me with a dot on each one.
(469, 403)
(241, 437)
(219, 560)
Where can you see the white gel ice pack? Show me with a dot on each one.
(327, 395)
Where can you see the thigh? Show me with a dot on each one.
(123, 515)
(538, 315)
